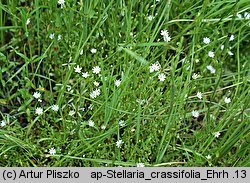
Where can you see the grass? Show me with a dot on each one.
(159, 129)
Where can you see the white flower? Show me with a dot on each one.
(103, 127)
(161, 77)
(195, 113)
(231, 38)
(239, 15)
(195, 76)
(247, 15)
(197, 60)
(52, 151)
(93, 50)
(3, 123)
(78, 69)
(117, 83)
(85, 74)
(208, 157)
(121, 123)
(91, 107)
(61, 2)
(211, 69)
(199, 95)
(95, 93)
(39, 110)
(217, 134)
(39, 100)
(119, 143)
(51, 36)
(222, 47)
(59, 37)
(28, 21)
(55, 107)
(154, 67)
(165, 35)
(71, 113)
(36, 95)
(227, 100)
(230, 53)
(81, 52)
(96, 83)
(206, 40)
(140, 165)
(211, 54)
(91, 123)
(150, 17)
(96, 70)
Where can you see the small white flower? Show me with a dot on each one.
(195, 76)
(96, 70)
(96, 83)
(247, 15)
(93, 50)
(217, 134)
(208, 157)
(119, 143)
(103, 127)
(199, 95)
(39, 100)
(231, 38)
(140, 165)
(71, 113)
(78, 69)
(81, 52)
(95, 93)
(161, 77)
(117, 83)
(59, 37)
(206, 40)
(165, 35)
(239, 15)
(51, 36)
(36, 95)
(211, 54)
(154, 67)
(227, 100)
(39, 110)
(91, 123)
(61, 2)
(222, 47)
(3, 123)
(91, 107)
(121, 123)
(211, 69)
(150, 17)
(28, 21)
(55, 108)
(52, 151)
(195, 114)
(230, 53)
(85, 74)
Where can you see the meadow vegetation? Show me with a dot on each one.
(124, 83)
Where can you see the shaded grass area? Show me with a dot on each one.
(41, 56)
